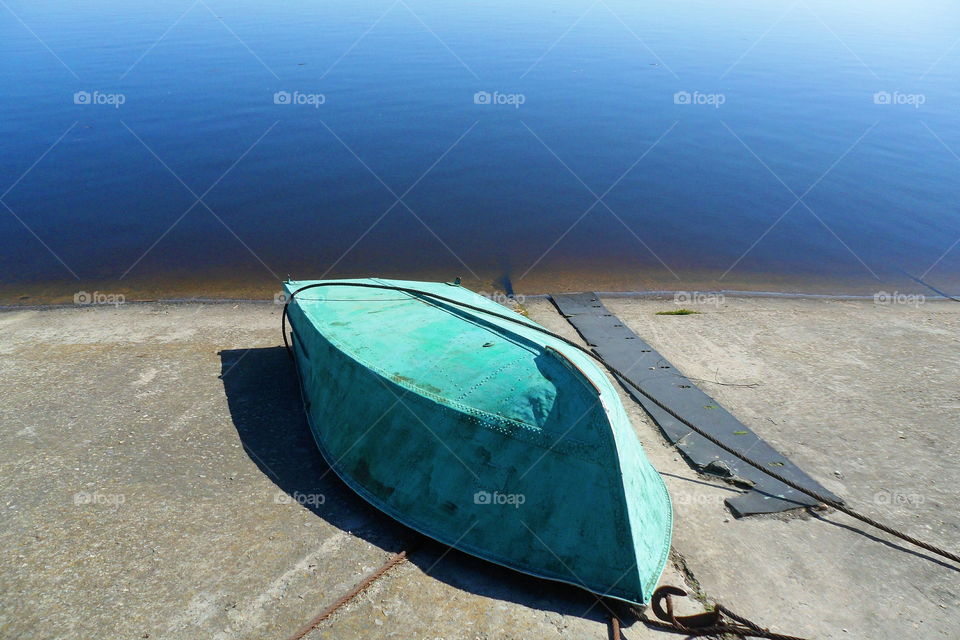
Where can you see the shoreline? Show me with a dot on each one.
(520, 297)
(249, 287)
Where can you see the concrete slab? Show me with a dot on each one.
(158, 481)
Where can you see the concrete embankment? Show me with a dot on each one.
(159, 481)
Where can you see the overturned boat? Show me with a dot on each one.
(485, 434)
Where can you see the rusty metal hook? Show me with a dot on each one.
(699, 620)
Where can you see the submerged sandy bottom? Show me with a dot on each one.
(256, 286)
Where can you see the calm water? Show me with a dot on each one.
(216, 147)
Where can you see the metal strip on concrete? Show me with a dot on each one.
(628, 352)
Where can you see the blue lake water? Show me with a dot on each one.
(214, 146)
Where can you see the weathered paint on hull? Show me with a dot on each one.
(553, 482)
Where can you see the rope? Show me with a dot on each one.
(710, 623)
(623, 377)
(703, 624)
(717, 630)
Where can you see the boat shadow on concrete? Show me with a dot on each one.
(265, 406)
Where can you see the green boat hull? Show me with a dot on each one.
(485, 435)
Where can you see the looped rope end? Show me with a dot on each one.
(709, 623)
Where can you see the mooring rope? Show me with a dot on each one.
(742, 630)
(623, 377)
